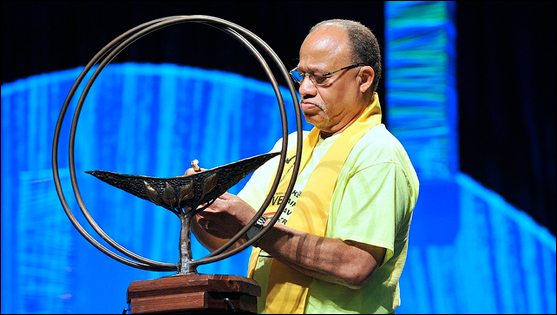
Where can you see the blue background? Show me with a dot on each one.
(471, 250)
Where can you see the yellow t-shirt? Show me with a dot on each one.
(372, 203)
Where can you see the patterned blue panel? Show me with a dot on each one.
(420, 86)
(469, 251)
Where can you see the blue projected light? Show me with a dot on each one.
(469, 250)
(139, 119)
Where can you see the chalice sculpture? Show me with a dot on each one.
(184, 195)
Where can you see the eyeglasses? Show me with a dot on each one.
(298, 76)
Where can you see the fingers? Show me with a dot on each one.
(206, 216)
(194, 168)
(202, 220)
(205, 224)
(226, 196)
(189, 171)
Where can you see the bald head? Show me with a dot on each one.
(328, 42)
(362, 43)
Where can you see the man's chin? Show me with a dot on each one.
(316, 120)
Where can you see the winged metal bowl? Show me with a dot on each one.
(187, 191)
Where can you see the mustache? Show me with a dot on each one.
(318, 104)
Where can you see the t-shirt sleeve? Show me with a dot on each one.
(366, 209)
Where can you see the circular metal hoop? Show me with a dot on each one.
(111, 51)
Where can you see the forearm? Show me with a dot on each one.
(209, 241)
(324, 258)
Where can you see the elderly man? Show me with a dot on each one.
(341, 241)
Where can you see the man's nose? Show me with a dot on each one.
(307, 88)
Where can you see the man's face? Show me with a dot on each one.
(334, 104)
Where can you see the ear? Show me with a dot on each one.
(367, 74)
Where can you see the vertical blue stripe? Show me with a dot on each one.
(501, 231)
(8, 218)
(529, 265)
(419, 60)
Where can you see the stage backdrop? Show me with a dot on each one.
(470, 251)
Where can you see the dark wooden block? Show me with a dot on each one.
(194, 294)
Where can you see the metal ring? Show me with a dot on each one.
(125, 40)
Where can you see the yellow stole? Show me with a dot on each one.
(288, 288)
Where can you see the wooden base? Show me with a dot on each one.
(194, 294)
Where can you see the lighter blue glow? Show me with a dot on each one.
(137, 119)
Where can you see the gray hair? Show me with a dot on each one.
(364, 44)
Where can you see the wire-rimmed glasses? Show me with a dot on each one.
(298, 76)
